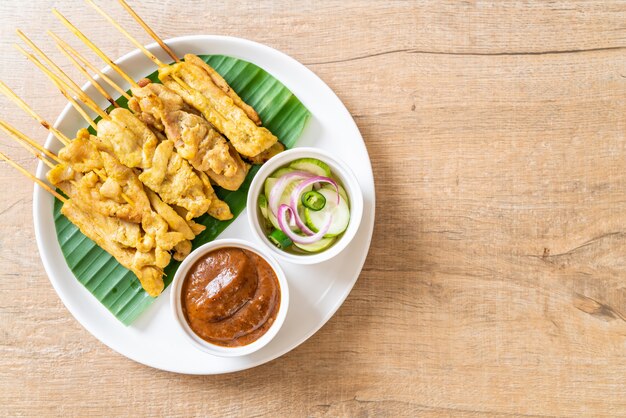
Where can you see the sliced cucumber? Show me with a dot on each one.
(269, 184)
(317, 246)
(339, 211)
(263, 205)
(282, 171)
(279, 239)
(272, 219)
(312, 165)
(342, 191)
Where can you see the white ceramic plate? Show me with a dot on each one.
(316, 291)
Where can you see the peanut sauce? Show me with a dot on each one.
(230, 297)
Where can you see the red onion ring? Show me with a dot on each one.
(283, 223)
(279, 188)
(295, 198)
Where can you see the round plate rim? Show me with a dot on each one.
(39, 195)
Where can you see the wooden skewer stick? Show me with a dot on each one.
(82, 96)
(41, 157)
(94, 48)
(37, 154)
(22, 105)
(29, 148)
(47, 60)
(127, 199)
(22, 138)
(148, 29)
(117, 26)
(184, 85)
(64, 79)
(101, 173)
(74, 103)
(93, 82)
(33, 178)
(62, 44)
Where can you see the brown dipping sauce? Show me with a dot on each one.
(230, 297)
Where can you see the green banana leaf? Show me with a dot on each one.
(116, 287)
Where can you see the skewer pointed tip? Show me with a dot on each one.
(59, 15)
(148, 29)
(138, 44)
(19, 48)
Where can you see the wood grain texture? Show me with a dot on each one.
(496, 280)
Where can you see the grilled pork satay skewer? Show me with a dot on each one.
(76, 184)
(216, 208)
(68, 167)
(132, 142)
(103, 230)
(147, 28)
(191, 81)
(149, 249)
(81, 178)
(204, 89)
(189, 229)
(195, 140)
(204, 146)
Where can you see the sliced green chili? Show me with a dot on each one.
(279, 239)
(313, 200)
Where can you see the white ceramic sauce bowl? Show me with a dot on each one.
(338, 169)
(179, 316)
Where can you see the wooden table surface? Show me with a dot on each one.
(496, 280)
